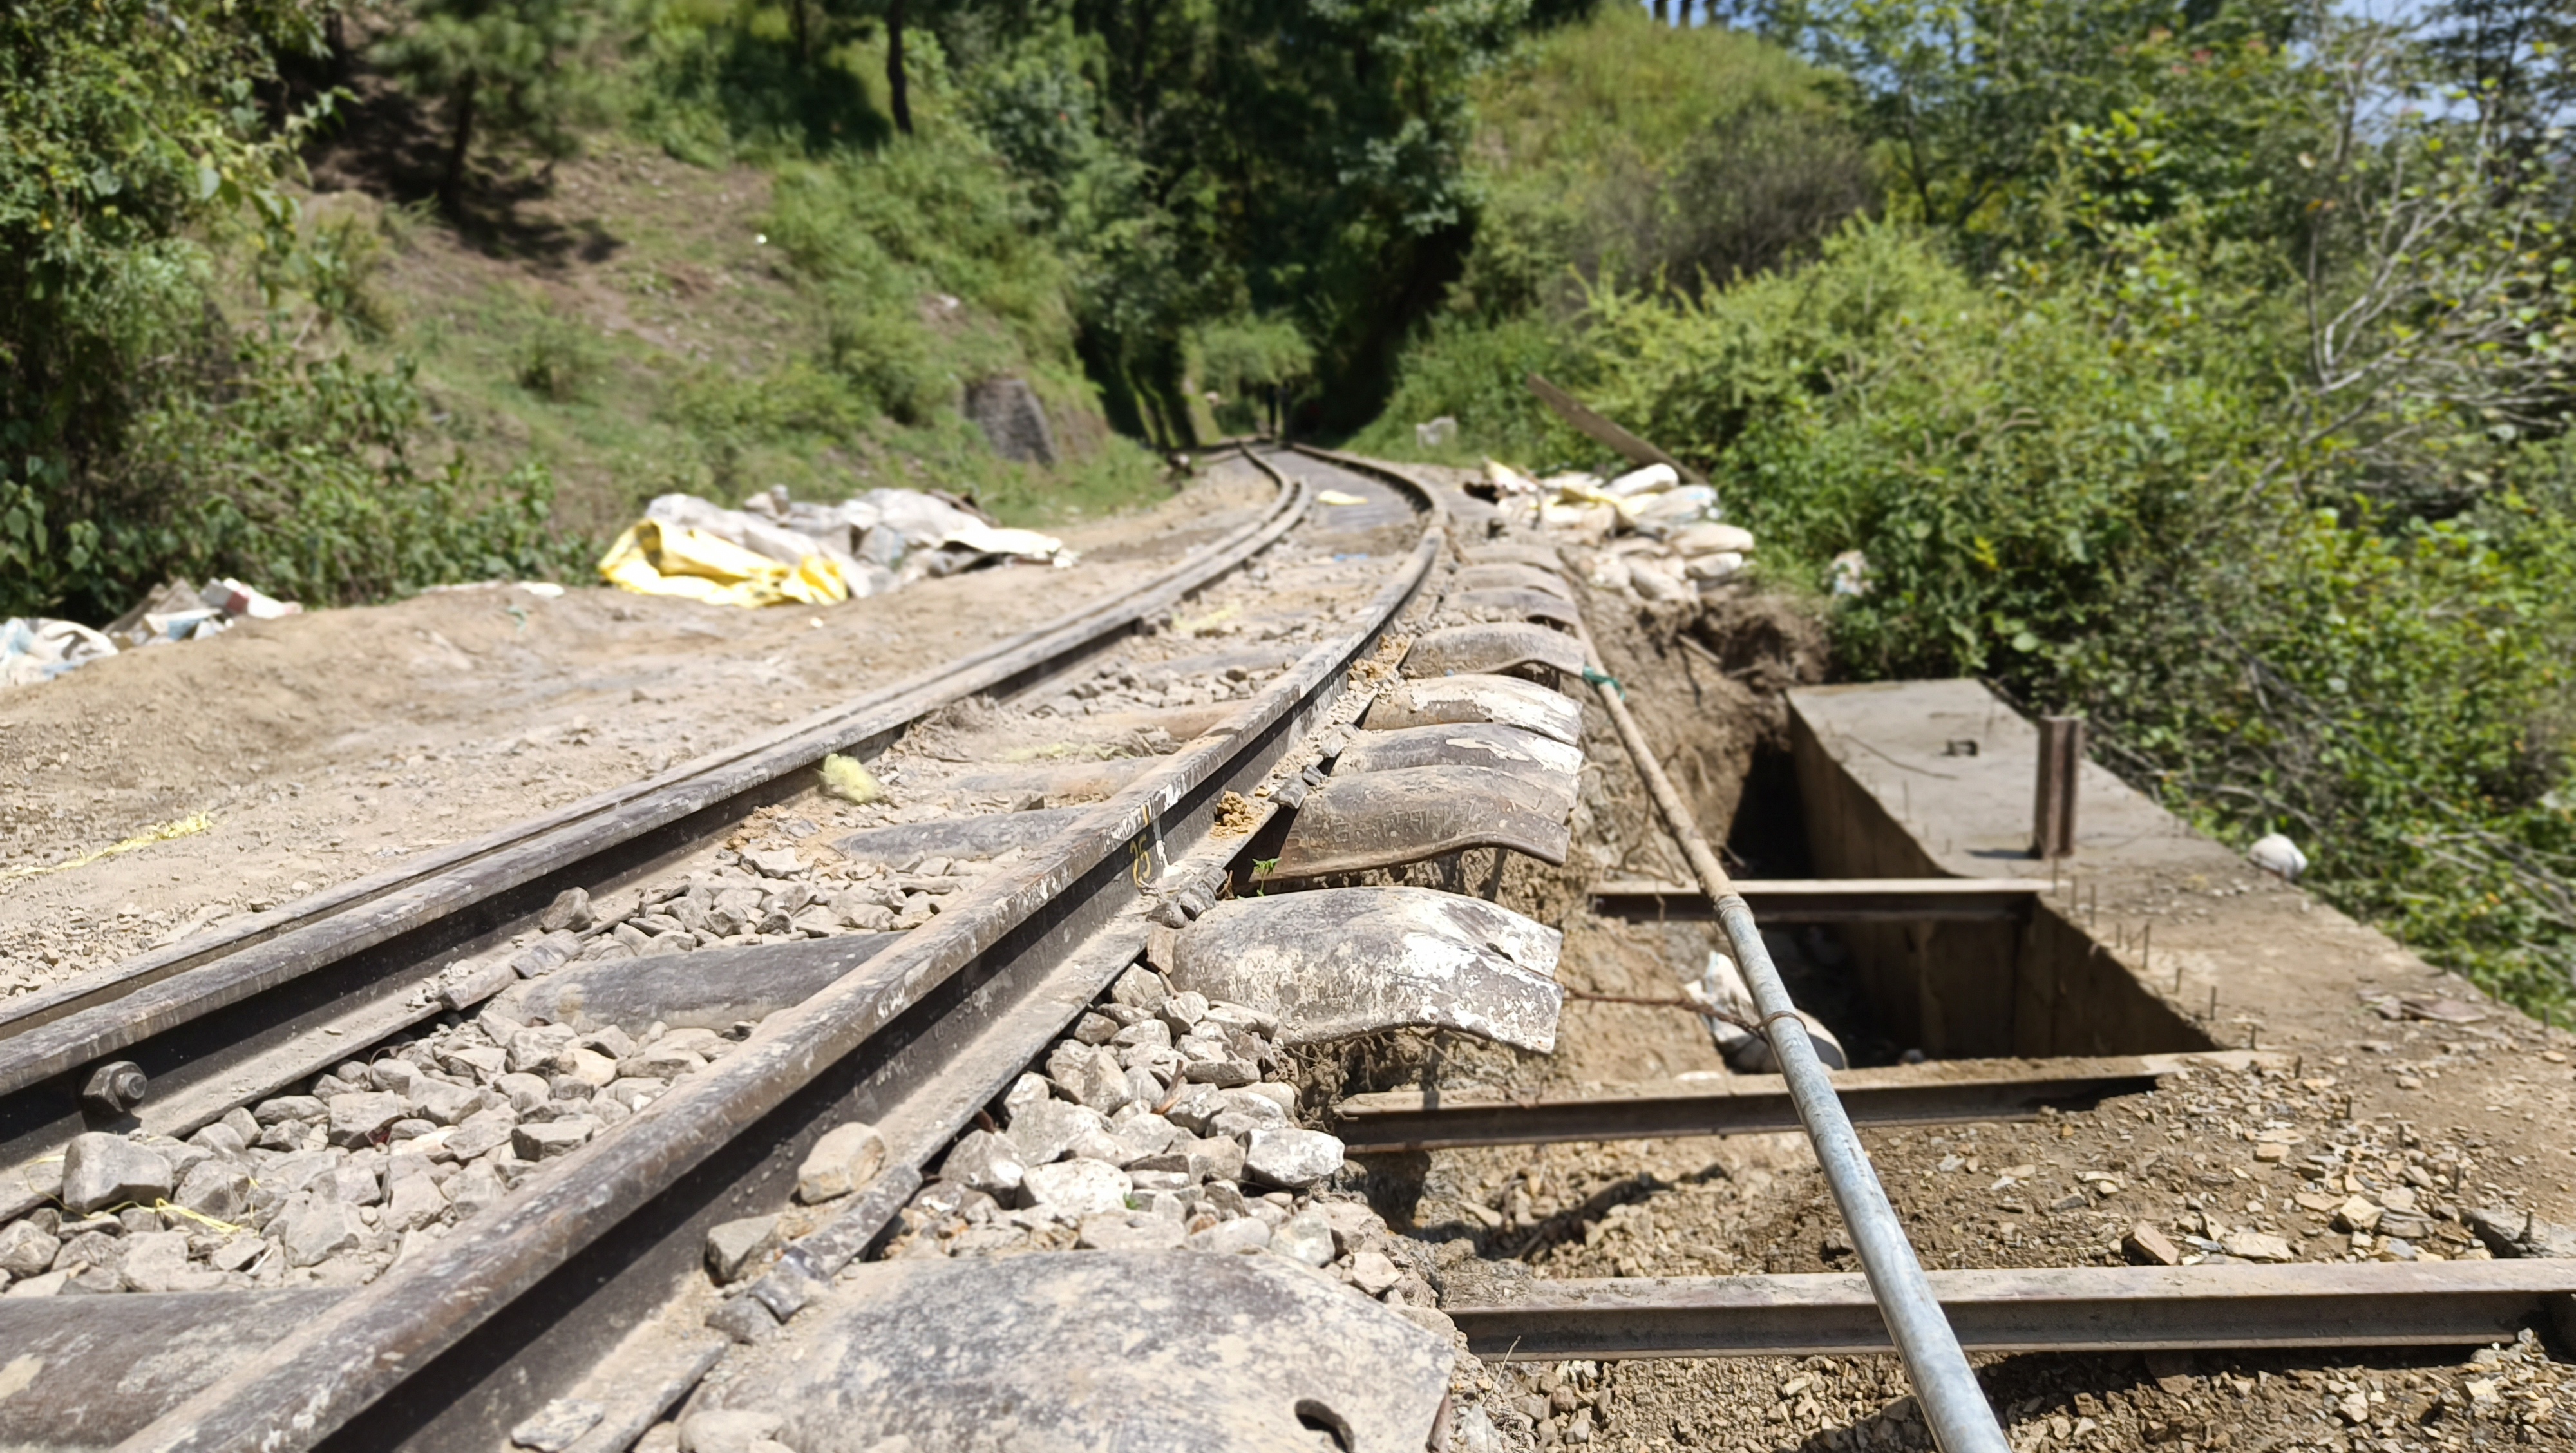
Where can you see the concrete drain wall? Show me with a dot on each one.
(1935, 779)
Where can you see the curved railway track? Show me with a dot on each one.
(913, 1033)
(1271, 765)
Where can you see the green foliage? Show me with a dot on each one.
(1249, 363)
(1476, 372)
(1625, 153)
(558, 360)
(2193, 386)
(500, 69)
(139, 436)
(300, 478)
(127, 132)
(2073, 506)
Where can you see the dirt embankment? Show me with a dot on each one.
(330, 745)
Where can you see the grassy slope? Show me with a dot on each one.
(586, 323)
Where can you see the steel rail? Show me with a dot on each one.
(215, 1022)
(2038, 1309)
(1948, 1092)
(508, 1310)
(1779, 901)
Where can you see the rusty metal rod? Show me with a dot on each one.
(1953, 1405)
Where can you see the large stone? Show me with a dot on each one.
(480, 1133)
(2357, 1213)
(1292, 1158)
(473, 1190)
(216, 1189)
(1013, 420)
(412, 1195)
(1091, 1075)
(1305, 1237)
(314, 1228)
(2512, 1232)
(358, 1181)
(155, 1261)
(1148, 1134)
(727, 1432)
(1129, 1231)
(101, 1170)
(1074, 1189)
(2257, 1246)
(1239, 1237)
(1197, 1108)
(985, 1161)
(440, 1101)
(737, 1247)
(26, 1249)
(287, 1107)
(1044, 1131)
(847, 1157)
(552, 1138)
(539, 1048)
(364, 1118)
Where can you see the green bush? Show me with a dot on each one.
(2084, 521)
(1476, 372)
(558, 359)
(300, 479)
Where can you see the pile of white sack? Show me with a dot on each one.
(878, 540)
(40, 648)
(1653, 536)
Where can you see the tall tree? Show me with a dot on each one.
(898, 88)
(2511, 58)
(500, 68)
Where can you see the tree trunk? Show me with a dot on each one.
(897, 93)
(802, 27)
(451, 183)
(1663, 12)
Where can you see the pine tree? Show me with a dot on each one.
(500, 66)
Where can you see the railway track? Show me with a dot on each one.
(552, 1120)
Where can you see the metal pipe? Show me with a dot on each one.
(1953, 1405)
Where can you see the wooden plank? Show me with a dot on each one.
(1609, 435)
(2064, 1309)
(1829, 900)
(1946, 1092)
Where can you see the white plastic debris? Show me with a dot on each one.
(236, 599)
(1851, 573)
(1439, 433)
(1507, 481)
(1648, 480)
(1667, 511)
(38, 648)
(2278, 856)
(1723, 989)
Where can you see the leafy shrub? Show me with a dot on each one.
(300, 478)
(1476, 372)
(558, 359)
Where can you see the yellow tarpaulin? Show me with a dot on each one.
(658, 558)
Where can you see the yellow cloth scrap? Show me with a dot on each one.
(159, 832)
(656, 558)
(1341, 497)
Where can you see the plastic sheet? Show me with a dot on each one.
(657, 557)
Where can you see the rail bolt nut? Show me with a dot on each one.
(115, 1088)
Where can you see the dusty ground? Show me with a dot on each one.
(326, 746)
